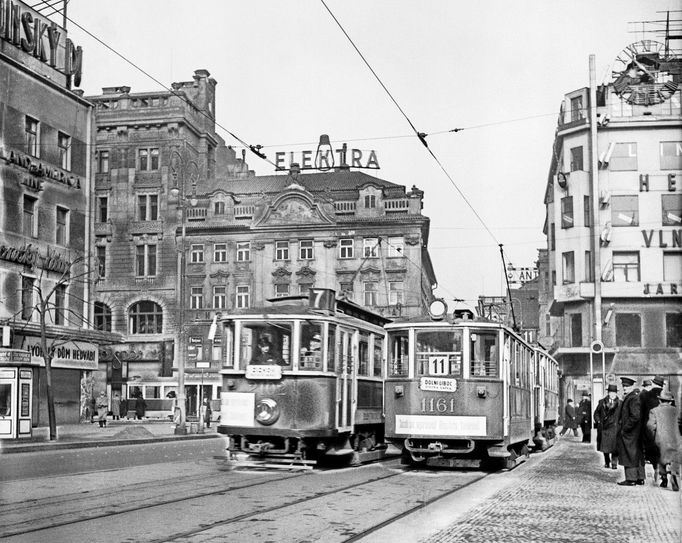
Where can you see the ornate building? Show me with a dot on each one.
(184, 230)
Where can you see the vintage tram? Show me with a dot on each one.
(465, 392)
(303, 381)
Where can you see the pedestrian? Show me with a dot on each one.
(124, 407)
(140, 407)
(662, 428)
(116, 407)
(629, 436)
(585, 417)
(569, 419)
(93, 409)
(606, 421)
(649, 399)
(206, 412)
(102, 408)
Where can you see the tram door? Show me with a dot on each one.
(345, 385)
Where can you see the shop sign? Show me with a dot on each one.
(39, 170)
(662, 289)
(326, 158)
(14, 356)
(663, 239)
(29, 256)
(70, 355)
(27, 30)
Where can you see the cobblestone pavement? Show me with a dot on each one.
(566, 495)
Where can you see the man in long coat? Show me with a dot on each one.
(585, 417)
(606, 422)
(649, 399)
(569, 419)
(662, 428)
(629, 437)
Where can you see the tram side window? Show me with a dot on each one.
(398, 357)
(311, 346)
(439, 352)
(331, 348)
(378, 357)
(363, 355)
(5, 399)
(266, 343)
(484, 351)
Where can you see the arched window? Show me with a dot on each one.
(102, 317)
(145, 318)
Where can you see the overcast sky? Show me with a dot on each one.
(286, 74)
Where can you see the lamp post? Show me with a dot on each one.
(178, 192)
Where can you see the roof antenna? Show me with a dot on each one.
(511, 303)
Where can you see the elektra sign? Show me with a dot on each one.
(325, 157)
(27, 30)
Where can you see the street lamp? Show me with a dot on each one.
(178, 192)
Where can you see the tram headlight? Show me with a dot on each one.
(481, 391)
(267, 411)
(399, 391)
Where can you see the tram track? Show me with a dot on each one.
(82, 508)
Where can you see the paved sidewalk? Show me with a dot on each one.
(562, 495)
(120, 432)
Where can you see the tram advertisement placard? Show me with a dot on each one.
(237, 408)
(438, 384)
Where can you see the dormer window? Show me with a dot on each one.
(370, 201)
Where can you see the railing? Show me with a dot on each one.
(344, 207)
(397, 205)
(399, 366)
(244, 212)
(196, 213)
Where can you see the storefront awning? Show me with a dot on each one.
(556, 309)
(628, 363)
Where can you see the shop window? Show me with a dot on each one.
(625, 210)
(673, 330)
(628, 330)
(626, 266)
(671, 155)
(145, 318)
(671, 207)
(567, 212)
(346, 248)
(102, 313)
(623, 157)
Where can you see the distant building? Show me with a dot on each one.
(614, 226)
(184, 230)
(46, 135)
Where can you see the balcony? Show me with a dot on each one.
(345, 208)
(397, 205)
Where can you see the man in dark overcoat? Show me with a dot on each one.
(585, 417)
(649, 399)
(606, 422)
(629, 436)
(569, 419)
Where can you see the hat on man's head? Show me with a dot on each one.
(646, 382)
(664, 395)
(612, 388)
(585, 393)
(658, 381)
(627, 381)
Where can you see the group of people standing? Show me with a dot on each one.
(640, 427)
(100, 407)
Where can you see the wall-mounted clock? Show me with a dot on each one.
(642, 73)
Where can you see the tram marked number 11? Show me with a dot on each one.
(439, 365)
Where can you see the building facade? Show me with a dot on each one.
(614, 226)
(46, 134)
(184, 231)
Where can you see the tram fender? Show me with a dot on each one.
(499, 451)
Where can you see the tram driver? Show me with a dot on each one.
(265, 353)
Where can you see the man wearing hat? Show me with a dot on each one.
(585, 417)
(605, 421)
(662, 427)
(629, 438)
(649, 399)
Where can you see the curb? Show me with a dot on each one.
(54, 446)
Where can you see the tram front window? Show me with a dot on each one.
(311, 346)
(266, 343)
(483, 354)
(439, 352)
(398, 354)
